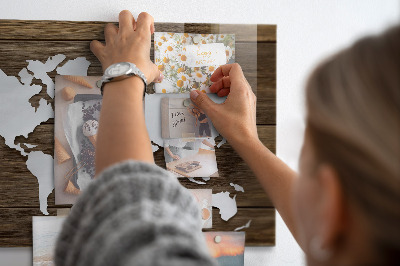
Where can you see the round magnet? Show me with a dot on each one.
(196, 39)
(217, 239)
(187, 102)
(98, 84)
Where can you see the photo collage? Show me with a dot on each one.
(187, 135)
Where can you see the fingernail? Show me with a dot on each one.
(194, 94)
(160, 78)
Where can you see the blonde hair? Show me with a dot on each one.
(353, 118)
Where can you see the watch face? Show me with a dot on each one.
(118, 69)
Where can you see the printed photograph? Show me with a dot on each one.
(188, 60)
(180, 118)
(191, 157)
(226, 247)
(77, 112)
(204, 199)
(45, 230)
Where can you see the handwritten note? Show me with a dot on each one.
(177, 118)
(177, 121)
(210, 54)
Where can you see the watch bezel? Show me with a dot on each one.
(108, 74)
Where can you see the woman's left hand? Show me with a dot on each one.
(130, 42)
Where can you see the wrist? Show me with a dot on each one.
(133, 85)
(245, 142)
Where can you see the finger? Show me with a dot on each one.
(110, 31)
(225, 82)
(97, 48)
(232, 70)
(202, 101)
(126, 21)
(145, 23)
(157, 76)
(223, 92)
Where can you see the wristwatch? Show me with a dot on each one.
(121, 71)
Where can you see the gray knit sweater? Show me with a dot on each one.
(134, 213)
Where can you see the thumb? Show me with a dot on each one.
(202, 101)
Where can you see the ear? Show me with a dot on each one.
(332, 211)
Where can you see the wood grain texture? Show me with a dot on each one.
(246, 55)
(263, 63)
(93, 30)
(16, 225)
(14, 165)
(37, 40)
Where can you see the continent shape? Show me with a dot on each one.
(18, 117)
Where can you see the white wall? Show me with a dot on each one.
(307, 31)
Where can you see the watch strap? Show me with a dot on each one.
(134, 71)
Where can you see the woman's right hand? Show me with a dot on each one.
(176, 157)
(235, 119)
(130, 42)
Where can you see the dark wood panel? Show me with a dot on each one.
(93, 30)
(23, 189)
(15, 54)
(16, 225)
(37, 40)
(262, 227)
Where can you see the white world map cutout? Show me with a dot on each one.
(226, 205)
(19, 118)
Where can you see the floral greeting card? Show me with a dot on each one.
(188, 60)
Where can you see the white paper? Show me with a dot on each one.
(75, 67)
(18, 117)
(226, 205)
(237, 187)
(210, 54)
(41, 166)
(29, 146)
(247, 225)
(26, 78)
(40, 71)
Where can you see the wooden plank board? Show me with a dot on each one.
(246, 55)
(264, 81)
(37, 40)
(93, 30)
(13, 165)
(17, 223)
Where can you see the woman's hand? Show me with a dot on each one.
(235, 119)
(129, 43)
(176, 157)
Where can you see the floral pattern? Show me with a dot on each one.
(170, 57)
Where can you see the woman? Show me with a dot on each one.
(343, 208)
(204, 127)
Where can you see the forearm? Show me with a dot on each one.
(169, 151)
(274, 175)
(122, 131)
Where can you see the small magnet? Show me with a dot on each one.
(196, 39)
(98, 83)
(217, 239)
(187, 102)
